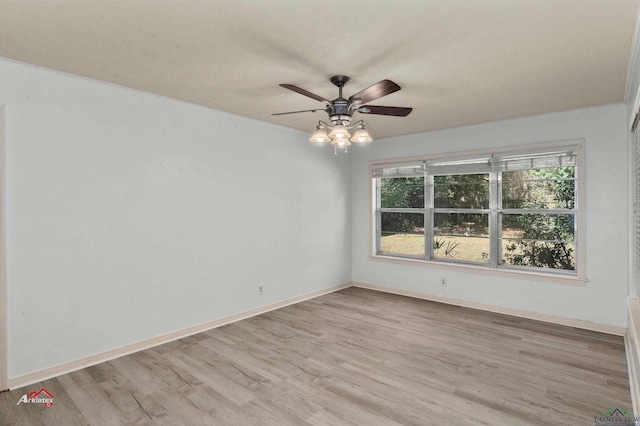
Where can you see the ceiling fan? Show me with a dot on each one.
(341, 110)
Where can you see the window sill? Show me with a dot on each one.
(485, 270)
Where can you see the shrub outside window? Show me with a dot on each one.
(501, 210)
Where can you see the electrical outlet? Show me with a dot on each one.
(443, 281)
(260, 290)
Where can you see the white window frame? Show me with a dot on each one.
(576, 277)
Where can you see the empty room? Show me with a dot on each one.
(286, 212)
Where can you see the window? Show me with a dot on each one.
(499, 210)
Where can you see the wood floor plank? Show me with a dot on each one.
(353, 357)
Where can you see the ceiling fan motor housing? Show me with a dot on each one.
(340, 110)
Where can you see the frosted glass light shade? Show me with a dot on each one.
(361, 136)
(341, 142)
(339, 132)
(320, 136)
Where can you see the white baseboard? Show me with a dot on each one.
(632, 348)
(603, 328)
(68, 367)
(48, 373)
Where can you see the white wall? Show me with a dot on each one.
(603, 299)
(132, 215)
(633, 79)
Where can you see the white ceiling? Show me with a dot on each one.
(458, 62)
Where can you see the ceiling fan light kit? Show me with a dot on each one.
(341, 110)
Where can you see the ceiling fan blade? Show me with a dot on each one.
(378, 90)
(385, 110)
(304, 92)
(295, 112)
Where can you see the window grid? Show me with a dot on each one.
(495, 214)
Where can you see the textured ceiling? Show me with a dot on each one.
(458, 62)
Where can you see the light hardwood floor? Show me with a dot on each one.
(354, 357)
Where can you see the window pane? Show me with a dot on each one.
(402, 192)
(461, 191)
(540, 240)
(402, 233)
(461, 236)
(552, 188)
